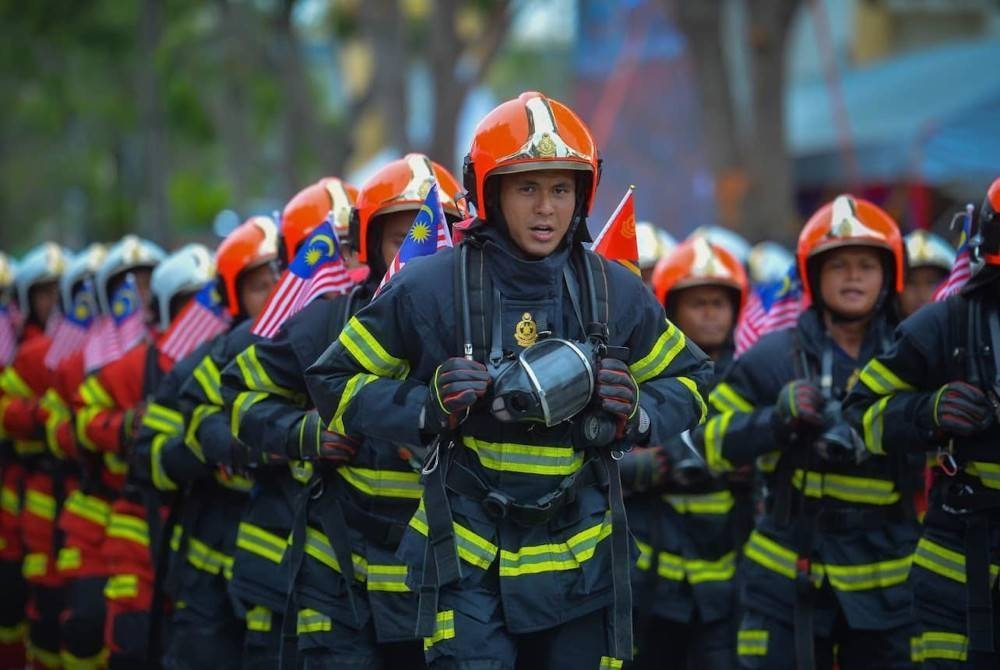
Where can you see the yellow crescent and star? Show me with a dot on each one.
(315, 254)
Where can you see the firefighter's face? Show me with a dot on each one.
(705, 314)
(919, 288)
(850, 280)
(394, 229)
(254, 287)
(538, 207)
(43, 299)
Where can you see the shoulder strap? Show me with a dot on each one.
(595, 277)
(472, 288)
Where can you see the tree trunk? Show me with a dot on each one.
(153, 218)
(297, 122)
(231, 108)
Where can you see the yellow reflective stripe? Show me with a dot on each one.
(371, 355)
(383, 483)
(318, 546)
(868, 576)
(390, 578)
(944, 561)
(525, 458)
(939, 645)
(69, 558)
(11, 634)
(988, 473)
(98, 661)
(883, 381)
(670, 342)
(244, 401)
(163, 419)
(351, 389)
(715, 434)
(13, 384)
(258, 541)
(175, 538)
(675, 567)
(115, 464)
(34, 565)
(771, 555)
(473, 549)
(93, 393)
(161, 480)
(9, 501)
(259, 619)
(769, 461)
(83, 419)
(555, 556)
(444, 628)
(301, 471)
(40, 504)
(58, 413)
(668, 566)
(209, 379)
(724, 398)
(256, 378)
(91, 508)
(127, 527)
(751, 642)
(121, 586)
(201, 412)
(873, 423)
(719, 502)
(311, 621)
(849, 489)
(206, 559)
(42, 658)
(689, 384)
(609, 663)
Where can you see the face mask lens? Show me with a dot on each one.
(550, 383)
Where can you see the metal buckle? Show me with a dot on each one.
(496, 505)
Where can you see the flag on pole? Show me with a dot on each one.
(961, 270)
(202, 318)
(617, 241)
(112, 335)
(8, 336)
(71, 335)
(318, 268)
(771, 307)
(420, 240)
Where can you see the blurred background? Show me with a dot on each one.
(175, 119)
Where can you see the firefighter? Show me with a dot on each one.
(385, 208)
(935, 388)
(824, 575)
(929, 259)
(689, 524)
(528, 556)
(119, 393)
(39, 481)
(206, 628)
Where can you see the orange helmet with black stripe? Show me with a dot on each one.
(310, 207)
(848, 221)
(698, 262)
(251, 244)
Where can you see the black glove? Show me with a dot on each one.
(456, 386)
(643, 469)
(618, 395)
(316, 443)
(799, 409)
(961, 409)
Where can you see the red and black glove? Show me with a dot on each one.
(131, 423)
(799, 409)
(618, 394)
(643, 468)
(456, 386)
(961, 409)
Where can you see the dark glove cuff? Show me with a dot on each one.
(639, 428)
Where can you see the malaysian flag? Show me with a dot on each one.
(201, 319)
(115, 334)
(771, 307)
(8, 336)
(961, 270)
(318, 269)
(71, 335)
(420, 241)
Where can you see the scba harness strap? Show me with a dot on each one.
(474, 294)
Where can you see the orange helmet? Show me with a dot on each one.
(986, 232)
(309, 208)
(251, 244)
(698, 262)
(398, 187)
(849, 222)
(531, 132)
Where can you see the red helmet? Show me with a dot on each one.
(849, 222)
(698, 262)
(401, 186)
(310, 207)
(251, 244)
(531, 132)
(987, 230)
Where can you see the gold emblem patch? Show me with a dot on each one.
(526, 332)
(546, 146)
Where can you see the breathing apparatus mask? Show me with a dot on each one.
(839, 442)
(687, 465)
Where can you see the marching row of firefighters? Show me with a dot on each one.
(442, 475)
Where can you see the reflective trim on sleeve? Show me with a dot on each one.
(88, 507)
(128, 527)
(444, 629)
(115, 464)
(92, 392)
(82, 421)
(120, 587)
(163, 420)
(9, 501)
(881, 380)
(208, 378)
(383, 483)
(689, 384)
(201, 412)
(556, 556)
(724, 398)
(369, 353)
(715, 434)
(13, 384)
(40, 504)
(525, 458)
(751, 642)
(670, 342)
(351, 389)
(260, 542)
(256, 378)
(158, 473)
(244, 401)
(873, 422)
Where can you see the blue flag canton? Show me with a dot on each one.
(84, 307)
(421, 239)
(125, 301)
(208, 297)
(788, 287)
(319, 249)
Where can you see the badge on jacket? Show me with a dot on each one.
(526, 332)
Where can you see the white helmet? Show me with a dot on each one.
(769, 261)
(729, 240)
(654, 243)
(185, 270)
(129, 253)
(81, 267)
(44, 263)
(924, 249)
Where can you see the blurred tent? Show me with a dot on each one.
(930, 117)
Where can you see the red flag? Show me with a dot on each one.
(751, 322)
(102, 345)
(617, 241)
(961, 271)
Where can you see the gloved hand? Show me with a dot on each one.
(456, 386)
(959, 408)
(643, 468)
(799, 408)
(618, 394)
(319, 444)
(131, 423)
